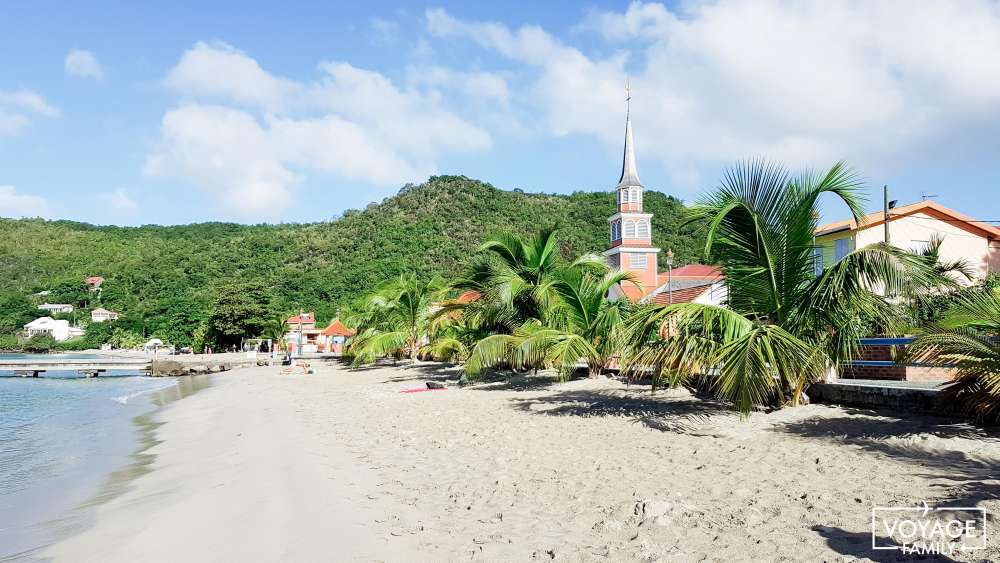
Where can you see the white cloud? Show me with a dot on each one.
(13, 204)
(226, 152)
(350, 122)
(804, 82)
(83, 64)
(18, 107)
(217, 70)
(477, 86)
(27, 100)
(119, 201)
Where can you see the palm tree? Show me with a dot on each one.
(967, 339)
(785, 326)
(396, 318)
(581, 325)
(516, 275)
(924, 301)
(276, 328)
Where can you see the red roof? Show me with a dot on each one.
(685, 295)
(468, 296)
(93, 280)
(306, 318)
(696, 271)
(633, 292)
(928, 207)
(337, 328)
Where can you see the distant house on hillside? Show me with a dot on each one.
(56, 307)
(94, 282)
(913, 227)
(60, 330)
(101, 314)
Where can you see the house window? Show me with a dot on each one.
(818, 260)
(638, 261)
(616, 228)
(643, 231)
(841, 248)
(629, 229)
(633, 196)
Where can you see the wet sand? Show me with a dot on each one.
(342, 466)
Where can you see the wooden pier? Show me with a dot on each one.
(89, 367)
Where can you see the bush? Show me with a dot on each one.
(8, 342)
(126, 339)
(98, 334)
(39, 343)
(73, 344)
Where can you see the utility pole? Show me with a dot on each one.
(670, 276)
(298, 348)
(885, 211)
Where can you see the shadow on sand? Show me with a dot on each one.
(859, 546)
(668, 413)
(960, 479)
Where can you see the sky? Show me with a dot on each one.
(177, 112)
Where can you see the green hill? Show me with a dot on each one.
(164, 279)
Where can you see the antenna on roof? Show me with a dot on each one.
(924, 196)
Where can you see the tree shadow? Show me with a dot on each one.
(859, 545)
(664, 412)
(963, 479)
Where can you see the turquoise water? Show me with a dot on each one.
(61, 437)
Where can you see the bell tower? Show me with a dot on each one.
(631, 246)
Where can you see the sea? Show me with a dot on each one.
(69, 443)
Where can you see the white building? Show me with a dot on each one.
(100, 314)
(60, 330)
(56, 307)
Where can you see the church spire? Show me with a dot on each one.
(630, 177)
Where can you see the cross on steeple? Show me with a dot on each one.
(628, 96)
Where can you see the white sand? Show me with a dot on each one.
(341, 466)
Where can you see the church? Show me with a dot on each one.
(632, 248)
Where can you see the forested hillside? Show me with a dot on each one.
(167, 281)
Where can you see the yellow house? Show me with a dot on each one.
(912, 227)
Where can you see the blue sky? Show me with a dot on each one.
(132, 113)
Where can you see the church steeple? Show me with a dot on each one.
(632, 247)
(629, 177)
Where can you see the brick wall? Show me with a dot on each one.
(889, 353)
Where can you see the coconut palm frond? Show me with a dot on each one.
(447, 349)
(753, 367)
(966, 339)
(493, 351)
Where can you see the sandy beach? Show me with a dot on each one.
(342, 466)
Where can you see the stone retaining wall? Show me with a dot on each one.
(901, 398)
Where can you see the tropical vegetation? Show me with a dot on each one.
(784, 326)
(966, 339)
(177, 283)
